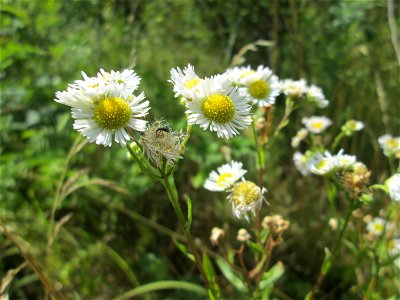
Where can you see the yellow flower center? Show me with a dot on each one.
(192, 83)
(392, 143)
(378, 227)
(112, 113)
(245, 193)
(223, 178)
(218, 108)
(317, 125)
(259, 89)
(321, 164)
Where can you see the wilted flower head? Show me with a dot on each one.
(261, 86)
(159, 141)
(217, 105)
(393, 184)
(390, 145)
(352, 126)
(316, 124)
(275, 223)
(300, 135)
(246, 197)
(185, 81)
(217, 234)
(225, 177)
(294, 88)
(356, 178)
(243, 235)
(316, 95)
(104, 106)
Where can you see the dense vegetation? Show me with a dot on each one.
(112, 219)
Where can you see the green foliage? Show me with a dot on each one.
(102, 249)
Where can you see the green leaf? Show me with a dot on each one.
(255, 247)
(237, 281)
(184, 250)
(272, 275)
(162, 285)
(208, 268)
(327, 264)
(188, 223)
(380, 187)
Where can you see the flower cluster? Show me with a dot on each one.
(105, 107)
(245, 196)
(298, 89)
(322, 163)
(276, 224)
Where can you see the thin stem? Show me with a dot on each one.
(337, 140)
(145, 168)
(169, 185)
(336, 249)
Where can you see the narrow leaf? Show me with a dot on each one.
(189, 212)
(237, 281)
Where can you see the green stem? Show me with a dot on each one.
(328, 264)
(170, 187)
(145, 168)
(337, 140)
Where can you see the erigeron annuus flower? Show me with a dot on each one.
(378, 225)
(103, 112)
(316, 124)
(260, 86)
(342, 160)
(243, 235)
(304, 162)
(225, 177)
(394, 247)
(393, 185)
(316, 95)
(275, 223)
(219, 106)
(390, 145)
(300, 135)
(185, 81)
(126, 80)
(323, 164)
(294, 88)
(159, 141)
(352, 126)
(246, 197)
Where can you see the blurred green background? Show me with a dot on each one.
(102, 251)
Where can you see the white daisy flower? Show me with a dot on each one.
(316, 124)
(126, 80)
(238, 74)
(303, 162)
(390, 145)
(394, 247)
(102, 113)
(294, 88)
(243, 235)
(343, 161)
(316, 95)
(323, 164)
(393, 184)
(225, 177)
(246, 197)
(300, 135)
(377, 226)
(218, 105)
(260, 86)
(159, 141)
(185, 81)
